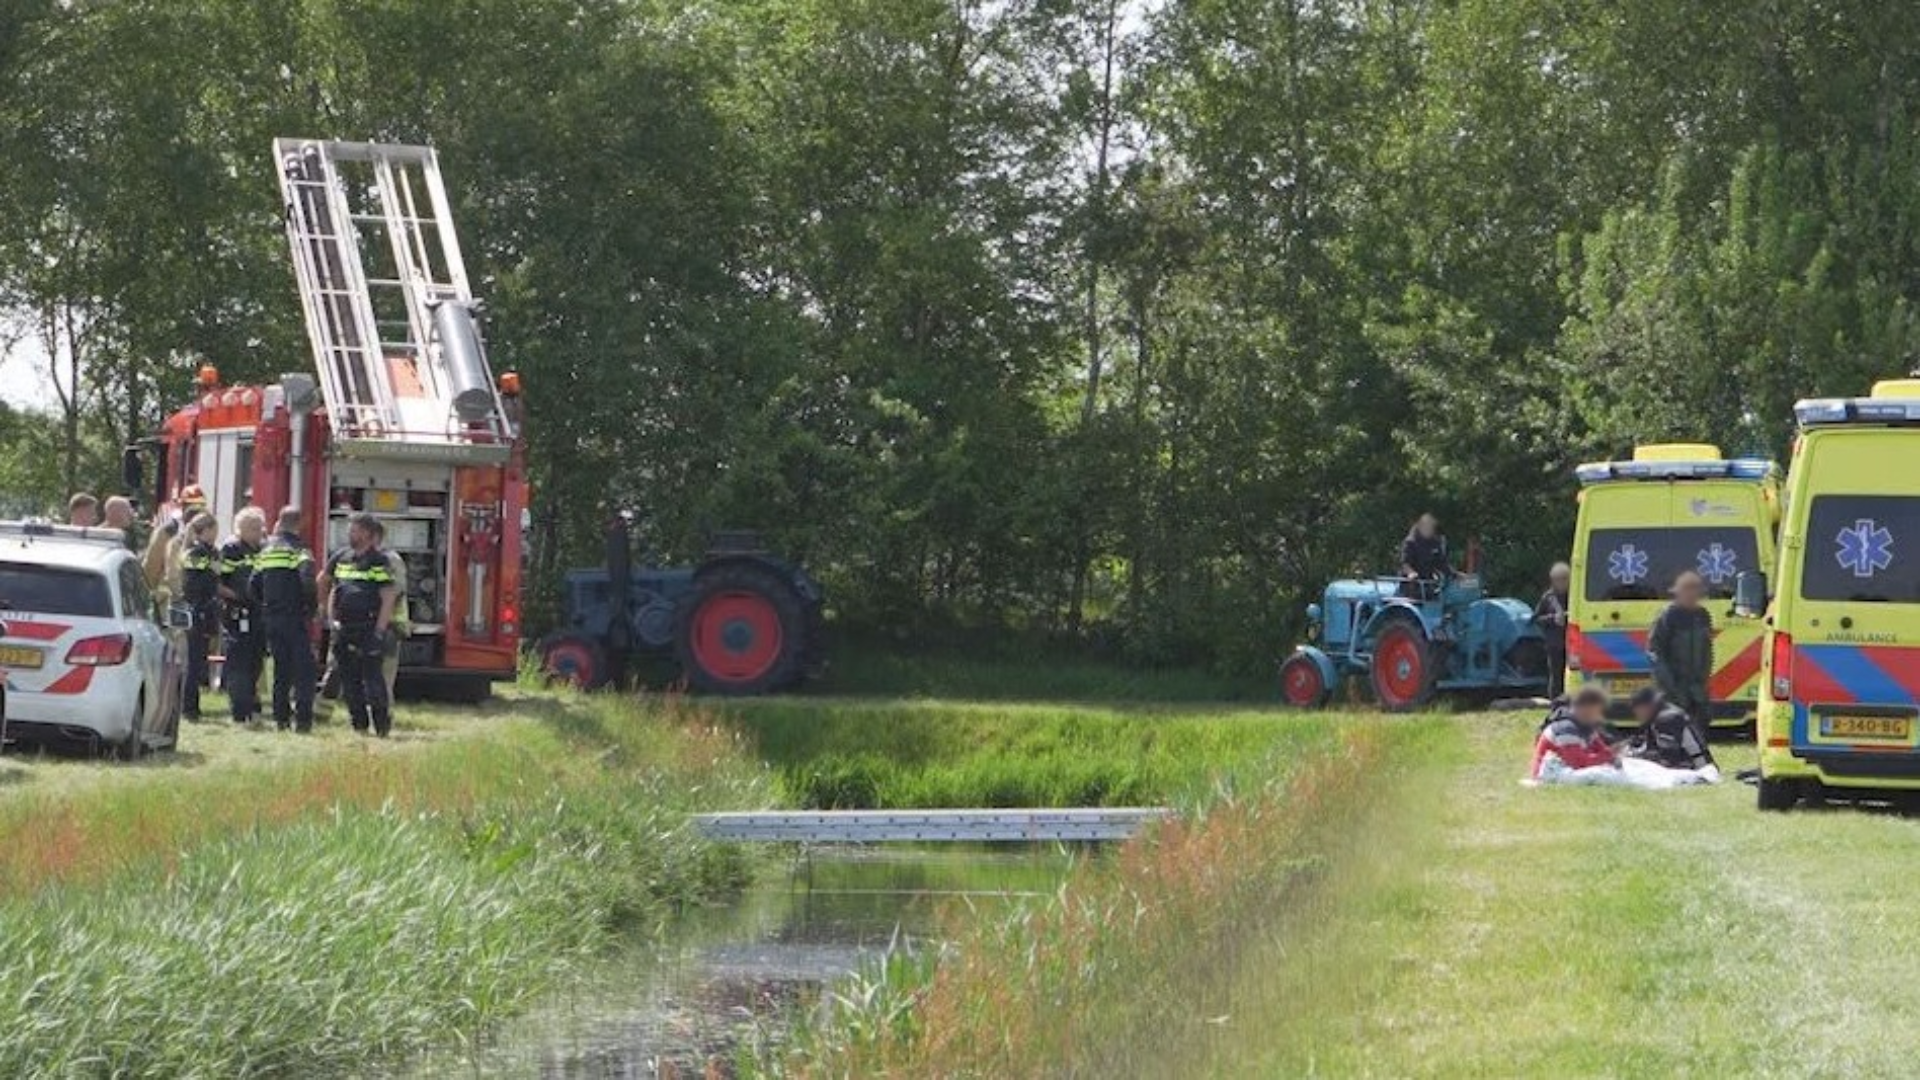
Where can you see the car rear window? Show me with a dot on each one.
(1641, 563)
(49, 590)
(1863, 548)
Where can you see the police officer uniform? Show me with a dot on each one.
(243, 643)
(359, 578)
(283, 588)
(200, 590)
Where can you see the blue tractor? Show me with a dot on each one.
(741, 622)
(1411, 640)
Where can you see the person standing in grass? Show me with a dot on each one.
(1550, 615)
(200, 590)
(243, 646)
(1681, 648)
(360, 595)
(284, 588)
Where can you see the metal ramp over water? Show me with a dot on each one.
(389, 312)
(960, 826)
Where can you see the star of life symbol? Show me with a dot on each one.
(1626, 564)
(1866, 547)
(1716, 563)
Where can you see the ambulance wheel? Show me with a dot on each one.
(1778, 795)
(744, 631)
(1302, 684)
(1403, 667)
(573, 660)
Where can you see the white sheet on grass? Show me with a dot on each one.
(1631, 773)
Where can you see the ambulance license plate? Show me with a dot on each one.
(1893, 728)
(1626, 685)
(15, 656)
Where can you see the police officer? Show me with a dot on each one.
(360, 600)
(200, 590)
(243, 644)
(283, 591)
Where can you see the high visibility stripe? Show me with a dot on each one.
(378, 575)
(1736, 673)
(1614, 650)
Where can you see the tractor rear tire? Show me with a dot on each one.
(744, 631)
(575, 660)
(1403, 666)
(1302, 684)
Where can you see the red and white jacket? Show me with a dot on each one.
(1576, 746)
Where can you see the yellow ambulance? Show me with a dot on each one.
(1673, 507)
(1841, 675)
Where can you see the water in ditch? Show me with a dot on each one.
(733, 977)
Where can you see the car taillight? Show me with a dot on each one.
(1782, 666)
(103, 651)
(1576, 644)
(509, 620)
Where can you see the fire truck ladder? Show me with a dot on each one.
(388, 309)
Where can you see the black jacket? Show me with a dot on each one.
(1553, 629)
(1426, 556)
(1681, 648)
(1670, 740)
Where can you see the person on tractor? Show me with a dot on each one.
(1667, 735)
(1425, 562)
(1550, 615)
(1680, 644)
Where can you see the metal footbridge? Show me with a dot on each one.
(958, 826)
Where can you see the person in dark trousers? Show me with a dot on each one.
(284, 588)
(360, 593)
(200, 591)
(1667, 735)
(1550, 615)
(1681, 648)
(243, 645)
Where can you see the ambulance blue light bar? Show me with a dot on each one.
(1596, 472)
(1816, 411)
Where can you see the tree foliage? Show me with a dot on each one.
(1125, 321)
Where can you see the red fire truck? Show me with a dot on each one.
(402, 417)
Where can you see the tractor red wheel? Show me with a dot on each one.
(744, 631)
(1302, 684)
(577, 661)
(1402, 667)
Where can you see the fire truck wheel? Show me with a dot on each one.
(574, 660)
(743, 631)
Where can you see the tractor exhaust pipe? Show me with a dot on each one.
(619, 592)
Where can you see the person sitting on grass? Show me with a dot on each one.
(1667, 734)
(1574, 738)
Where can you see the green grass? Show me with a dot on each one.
(1019, 674)
(842, 754)
(1127, 969)
(402, 900)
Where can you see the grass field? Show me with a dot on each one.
(1428, 916)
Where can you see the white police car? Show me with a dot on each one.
(84, 657)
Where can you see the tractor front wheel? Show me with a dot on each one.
(1402, 672)
(1302, 684)
(744, 631)
(578, 661)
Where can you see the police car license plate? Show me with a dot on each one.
(15, 656)
(1894, 728)
(1625, 685)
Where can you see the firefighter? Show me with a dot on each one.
(283, 593)
(242, 645)
(163, 555)
(200, 589)
(360, 601)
